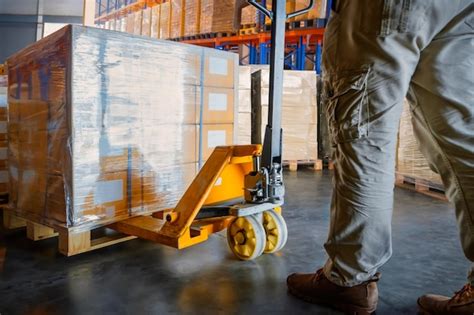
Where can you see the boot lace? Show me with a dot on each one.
(466, 294)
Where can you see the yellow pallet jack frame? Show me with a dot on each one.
(214, 184)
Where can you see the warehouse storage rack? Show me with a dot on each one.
(303, 42)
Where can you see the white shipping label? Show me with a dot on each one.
(108, 191)
(3, 177)
(216, 138)
(3, 154)
(3, 100)
(218, 66)
(217, 102)
(3, 127)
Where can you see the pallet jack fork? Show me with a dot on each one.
(239, 187)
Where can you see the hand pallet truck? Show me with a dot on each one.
(239, 187)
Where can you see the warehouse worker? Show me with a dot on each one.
(375, 53)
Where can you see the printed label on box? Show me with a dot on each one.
(3, 101)
(216, 138)
(3, 127)
(108, 191)
(27, 176)
(14, 172)
(3, 154)
(3, 177)
(218, 66)
(217, 102)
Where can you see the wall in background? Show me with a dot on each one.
(22, 22)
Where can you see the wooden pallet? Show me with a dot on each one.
(293, 165)
(70, 242)
(420, 185)
(248, 31)
(316, 23)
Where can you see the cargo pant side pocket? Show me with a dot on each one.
(347, 106)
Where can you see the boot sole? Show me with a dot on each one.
(346, 308)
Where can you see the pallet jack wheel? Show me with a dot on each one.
(246, 237)
(275, 230)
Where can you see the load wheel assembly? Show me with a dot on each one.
(250, 236)
(275, 230)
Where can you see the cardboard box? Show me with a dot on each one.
(218, 106)
(217, 16)
(165, 20)
(155, 21)
(177, 18)
(146, 22)
(192, 17)
(214, 135)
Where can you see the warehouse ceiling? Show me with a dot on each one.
(50, 7)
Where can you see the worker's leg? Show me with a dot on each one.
(369, 58)
(442, 99)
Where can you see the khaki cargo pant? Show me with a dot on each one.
(375, 53)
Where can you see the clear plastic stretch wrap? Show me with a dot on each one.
(410, 162)
(192, 17)
(299, 111)
(146, 22)
(217, 16)
(317, 12)
(165, 20)
(3, 137)
(106, 125)
(155, 21)
(177, 18)
(137, 22)
(249, 15)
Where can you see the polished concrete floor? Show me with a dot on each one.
(139, 277)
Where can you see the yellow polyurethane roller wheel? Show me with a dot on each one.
(246, 237)
(275, 230)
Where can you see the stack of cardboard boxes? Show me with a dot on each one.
(106, 125)
(3, 140)
(411, 163)
(299, 111)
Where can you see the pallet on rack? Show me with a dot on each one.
(248, 31)
(293, 165)
(71, 242)
(316, 23)
(421, 185)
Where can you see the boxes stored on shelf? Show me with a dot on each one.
(410, 161)
(177, 18)
(317, 12)
(106, 125)
(3, 137)
(249, 15)
(146, 22)
(137, 22)
(217, 16)
(165, 20)
(192, 17)
(155, 21)
(130, 23)
(299, 111)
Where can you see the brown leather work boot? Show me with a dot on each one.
(316, 288)
(462, 303)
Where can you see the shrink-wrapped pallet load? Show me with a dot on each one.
(3, 140)
(165, 20)
(249, 16)
(192, 17)
(217, 16)
(411, 164)
(155, 21)
(106, 125)
(317, 12)
(146, 22)
(177, 18)
(299, 111)
(130, 24)
(137, 22)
